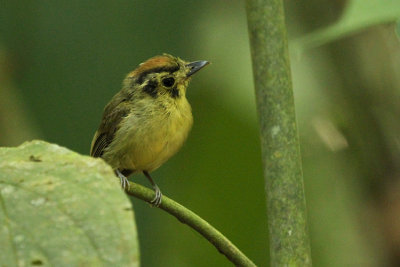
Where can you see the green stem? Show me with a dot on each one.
(188, 217)
(289, 242)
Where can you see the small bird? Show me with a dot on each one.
(147, 122)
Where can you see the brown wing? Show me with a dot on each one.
(99, 143)
(114, 112)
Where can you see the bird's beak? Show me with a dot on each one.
(195, 67)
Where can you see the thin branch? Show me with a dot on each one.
(188, 217)
(289, 242)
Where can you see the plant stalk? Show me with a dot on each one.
(289, 241)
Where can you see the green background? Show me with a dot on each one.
(62, 61)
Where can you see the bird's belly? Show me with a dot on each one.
(153, 151)
(146, 148)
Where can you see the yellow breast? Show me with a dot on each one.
(146, 140)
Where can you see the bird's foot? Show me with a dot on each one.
(124, 181)
(156, 201)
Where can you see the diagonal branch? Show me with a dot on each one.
(188, 217)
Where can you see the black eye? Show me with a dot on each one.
(168, 82)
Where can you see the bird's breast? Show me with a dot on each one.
(148, 138)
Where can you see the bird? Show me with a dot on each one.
(148, 120)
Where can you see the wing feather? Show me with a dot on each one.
(113, 114)
(99, 144)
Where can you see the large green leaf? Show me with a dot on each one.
(59, 208)
(358, 15)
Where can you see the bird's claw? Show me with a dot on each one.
(156, 201)
(124, 181)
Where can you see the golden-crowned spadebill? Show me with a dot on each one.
(147, 122)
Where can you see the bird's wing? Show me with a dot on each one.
(110, 123)
(99, 143)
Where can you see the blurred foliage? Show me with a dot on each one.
(358, 15)
(398, 29)
(62, 61)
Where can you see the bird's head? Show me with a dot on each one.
(163, 76)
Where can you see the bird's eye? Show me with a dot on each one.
(168, 82)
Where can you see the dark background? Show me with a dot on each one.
(62, 61)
